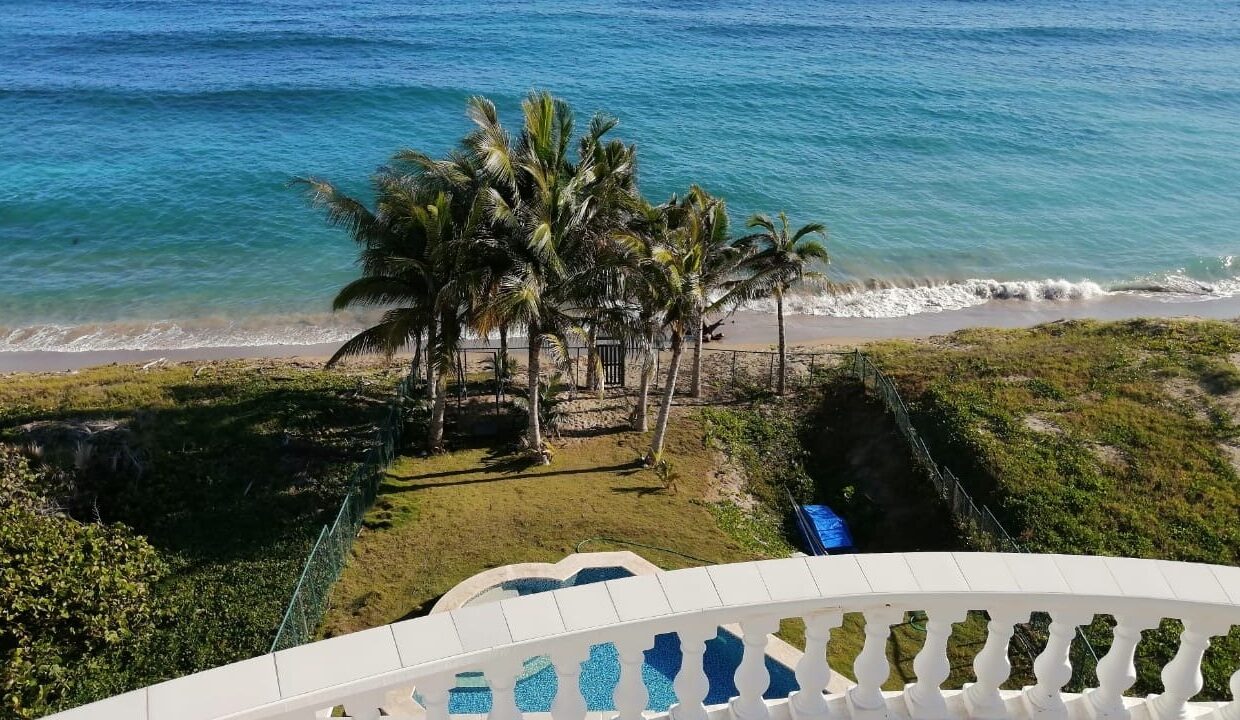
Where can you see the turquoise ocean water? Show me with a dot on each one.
(959, 151)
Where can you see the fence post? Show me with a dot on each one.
(733, 369)
(770, 374)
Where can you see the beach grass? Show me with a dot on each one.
(1091, 437)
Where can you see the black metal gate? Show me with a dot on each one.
(611, 353)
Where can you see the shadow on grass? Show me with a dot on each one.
(231, 483)
(387, 487)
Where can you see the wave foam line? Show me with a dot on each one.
(893, 302)
(882, 302)
(164, 336)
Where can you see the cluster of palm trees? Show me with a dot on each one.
(519, 233)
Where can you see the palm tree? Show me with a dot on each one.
(408, 266)
(682, 261)
(778, 260)
(636, 320)
(547, 214)
(721, 259)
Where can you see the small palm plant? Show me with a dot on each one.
(779, 260)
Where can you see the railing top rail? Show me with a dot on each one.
(321, 674)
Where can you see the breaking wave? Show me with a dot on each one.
(873, 301)
(177, 335)
(901, 301)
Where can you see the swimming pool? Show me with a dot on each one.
(536, 687)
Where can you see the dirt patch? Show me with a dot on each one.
(1039, 424)
(1108, 454)
(726, 483)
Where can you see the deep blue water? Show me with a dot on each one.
(145, 146)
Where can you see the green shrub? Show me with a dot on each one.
(67, 590)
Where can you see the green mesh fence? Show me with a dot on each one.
(331, 550)
(977, 522)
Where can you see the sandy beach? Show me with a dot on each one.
(744, 330)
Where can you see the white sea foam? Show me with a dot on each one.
(890, 302)
(872, 302)
(170, 335)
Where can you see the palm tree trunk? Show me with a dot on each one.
(783, 343)
(534, 434)
(415, 368)
(434, 440)
(640, 422)
(696, 387)
(665, 408)
(503, 352)
(592, 383)
(431, 339)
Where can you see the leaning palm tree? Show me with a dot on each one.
(408, 267)
(777, 261)
(547, 212)
(682, 261)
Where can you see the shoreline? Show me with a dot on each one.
(746, 330)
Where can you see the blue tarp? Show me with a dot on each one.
(824, 532)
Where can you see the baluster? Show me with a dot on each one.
(923, 698)
(364, 706)
(1053, 668)
(1182, 676)
(865, 699)
(751, 677)
(992, 667)
(630, 696)
(569, 703)
(691, 684)
(434, 692)
(501, 675)
(813, 673)
(1116, 671)
(1230, 711)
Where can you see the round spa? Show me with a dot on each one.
(536, 686)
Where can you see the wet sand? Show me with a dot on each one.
(745, 330)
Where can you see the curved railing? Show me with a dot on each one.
(375, 671)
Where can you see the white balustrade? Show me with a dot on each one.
(1182, 676)
(813, 674)
(871, 667)
(752, 678)
(1053, 667)
(371, 672)
(434, 692)
(982, 700)
(501, 675)
(631, 696)
(1117, 670)
(692, 684)
(924, 698)
(568, 704)
(1231, 711)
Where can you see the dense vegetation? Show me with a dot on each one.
(513, 231)
(1093, 438)
(153, 523)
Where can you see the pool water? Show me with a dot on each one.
(536, 688)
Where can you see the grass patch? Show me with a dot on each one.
(226, 469)
(1093, 438)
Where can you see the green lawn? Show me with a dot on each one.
(442, 519)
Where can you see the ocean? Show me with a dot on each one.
(961, 152)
